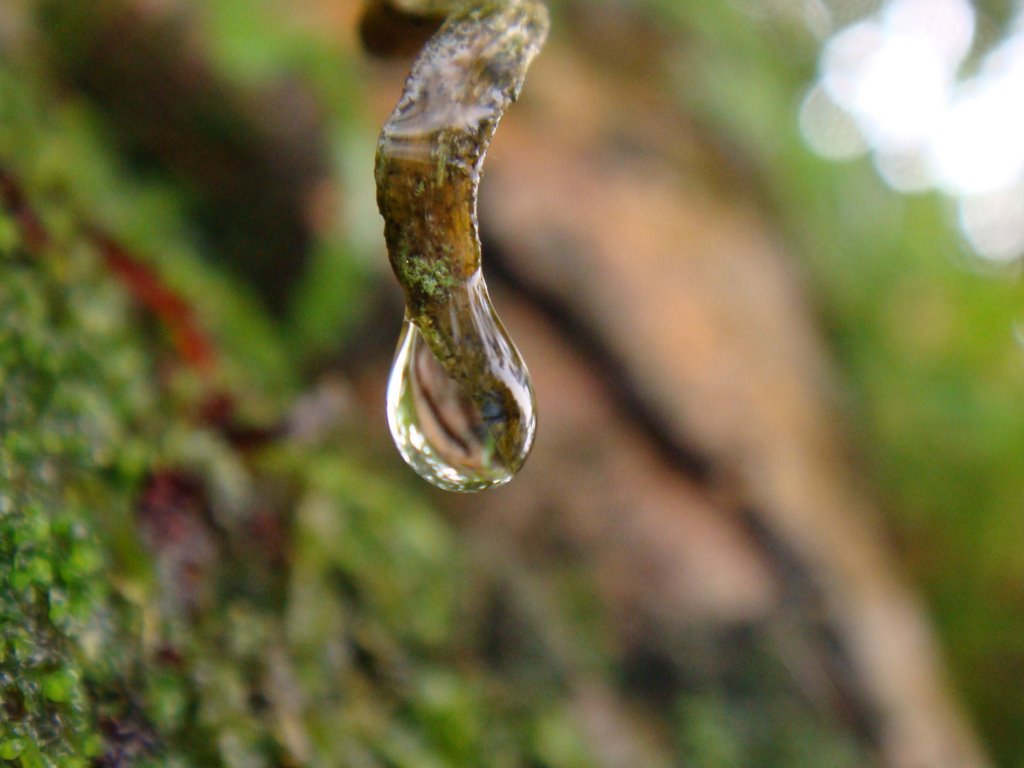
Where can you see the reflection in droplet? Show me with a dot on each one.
(456, 439)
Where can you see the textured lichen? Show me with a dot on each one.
(432, 277)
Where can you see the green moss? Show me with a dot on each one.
(54, 603)
(426, 276)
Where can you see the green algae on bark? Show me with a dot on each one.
(480, 411)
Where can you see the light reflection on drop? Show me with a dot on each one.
(458, 440)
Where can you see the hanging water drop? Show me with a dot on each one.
(460, 402)
(457, 437)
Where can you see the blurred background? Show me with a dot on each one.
(762, 259)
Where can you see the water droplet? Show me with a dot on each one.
(460, 402)
(468, 425)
